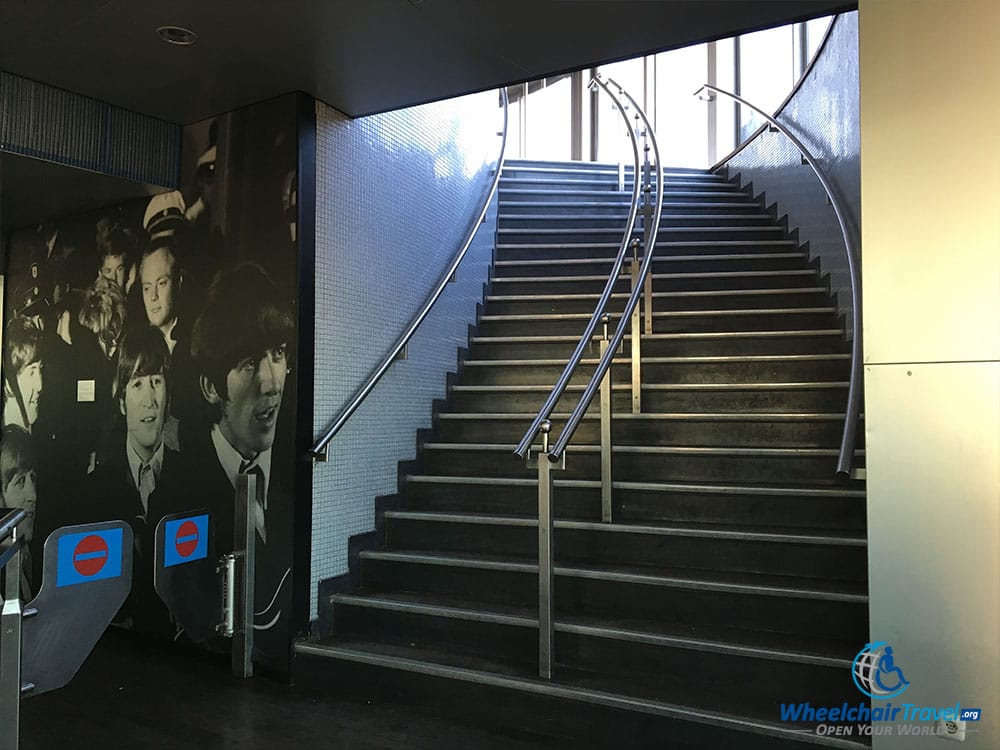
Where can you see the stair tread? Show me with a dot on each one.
(663, 386)
(664, 336)
(760, 644)
(615, 230)
(521, 677)
(700, 530)
(571, 217)
(690, 258)
(663, 360)
(672, 295)
(685, 578)
(654, 449)
(694, 487)
(539, 317)
(660, 243)
(736, 416)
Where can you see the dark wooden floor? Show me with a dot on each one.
(135, 694)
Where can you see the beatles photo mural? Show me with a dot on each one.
(148, 357)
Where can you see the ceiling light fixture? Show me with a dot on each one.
(177, 35)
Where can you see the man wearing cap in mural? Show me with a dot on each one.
(239, 344)
(164, 215)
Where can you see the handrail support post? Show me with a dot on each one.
(606, 412)
(546, 532)
(10, 646)
(636, 339)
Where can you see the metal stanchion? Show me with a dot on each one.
(546, 530)
(247, 493)
(606, 409)
(10, 641)
(636, 334)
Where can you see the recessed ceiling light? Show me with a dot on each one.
(177, 35)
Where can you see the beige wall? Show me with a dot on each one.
(930, 186)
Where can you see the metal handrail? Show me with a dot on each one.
(10, 520)
(637, 289)
(319, 449)
(846, 457)
(545, 412)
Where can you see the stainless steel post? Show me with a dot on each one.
(605, 432)
(636, 336)
(10, 648)
(545, 578)
(247, 492)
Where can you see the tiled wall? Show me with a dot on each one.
(824, 115)
(396, 196)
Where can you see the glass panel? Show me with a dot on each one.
(682, 119)
(612, 137)
(815, 32)
(549, 118)
(767, 67)
(725, 108)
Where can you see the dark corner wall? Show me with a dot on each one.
(824, 113)
(152, 348)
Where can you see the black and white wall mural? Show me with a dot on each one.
(148, 358)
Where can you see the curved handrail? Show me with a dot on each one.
(587, 336)
(791, 94)
(605, 362)
(637, 289)
(318, 451)
(846, 457)
(9, 520)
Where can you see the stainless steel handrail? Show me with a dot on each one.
(846, 457)
(637, 290)
(319, 449)
(10, 520)
(545, 412)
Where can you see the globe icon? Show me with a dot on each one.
(867, 676)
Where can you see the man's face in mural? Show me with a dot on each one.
(157, 277)
(29, 382)
(250, 412)
(20, 493)
(144, 404)
(113, 269)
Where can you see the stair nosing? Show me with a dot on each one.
(672, 295)
(603, 574)
(686, 258)
(766, 334)
(663, 314)
(693, 243)
(625, 528)
(680, 450)
(693, 487)
(655, 276)
(797, 385)
(663, 360)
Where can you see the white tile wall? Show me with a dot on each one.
(396, 195)
(824, 115)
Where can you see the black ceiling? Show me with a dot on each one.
(361, 56)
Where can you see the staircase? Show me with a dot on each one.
(734, 576)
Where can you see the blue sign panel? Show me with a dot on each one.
(185, 540)
(89, 556)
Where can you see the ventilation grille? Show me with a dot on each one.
(60, 126)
